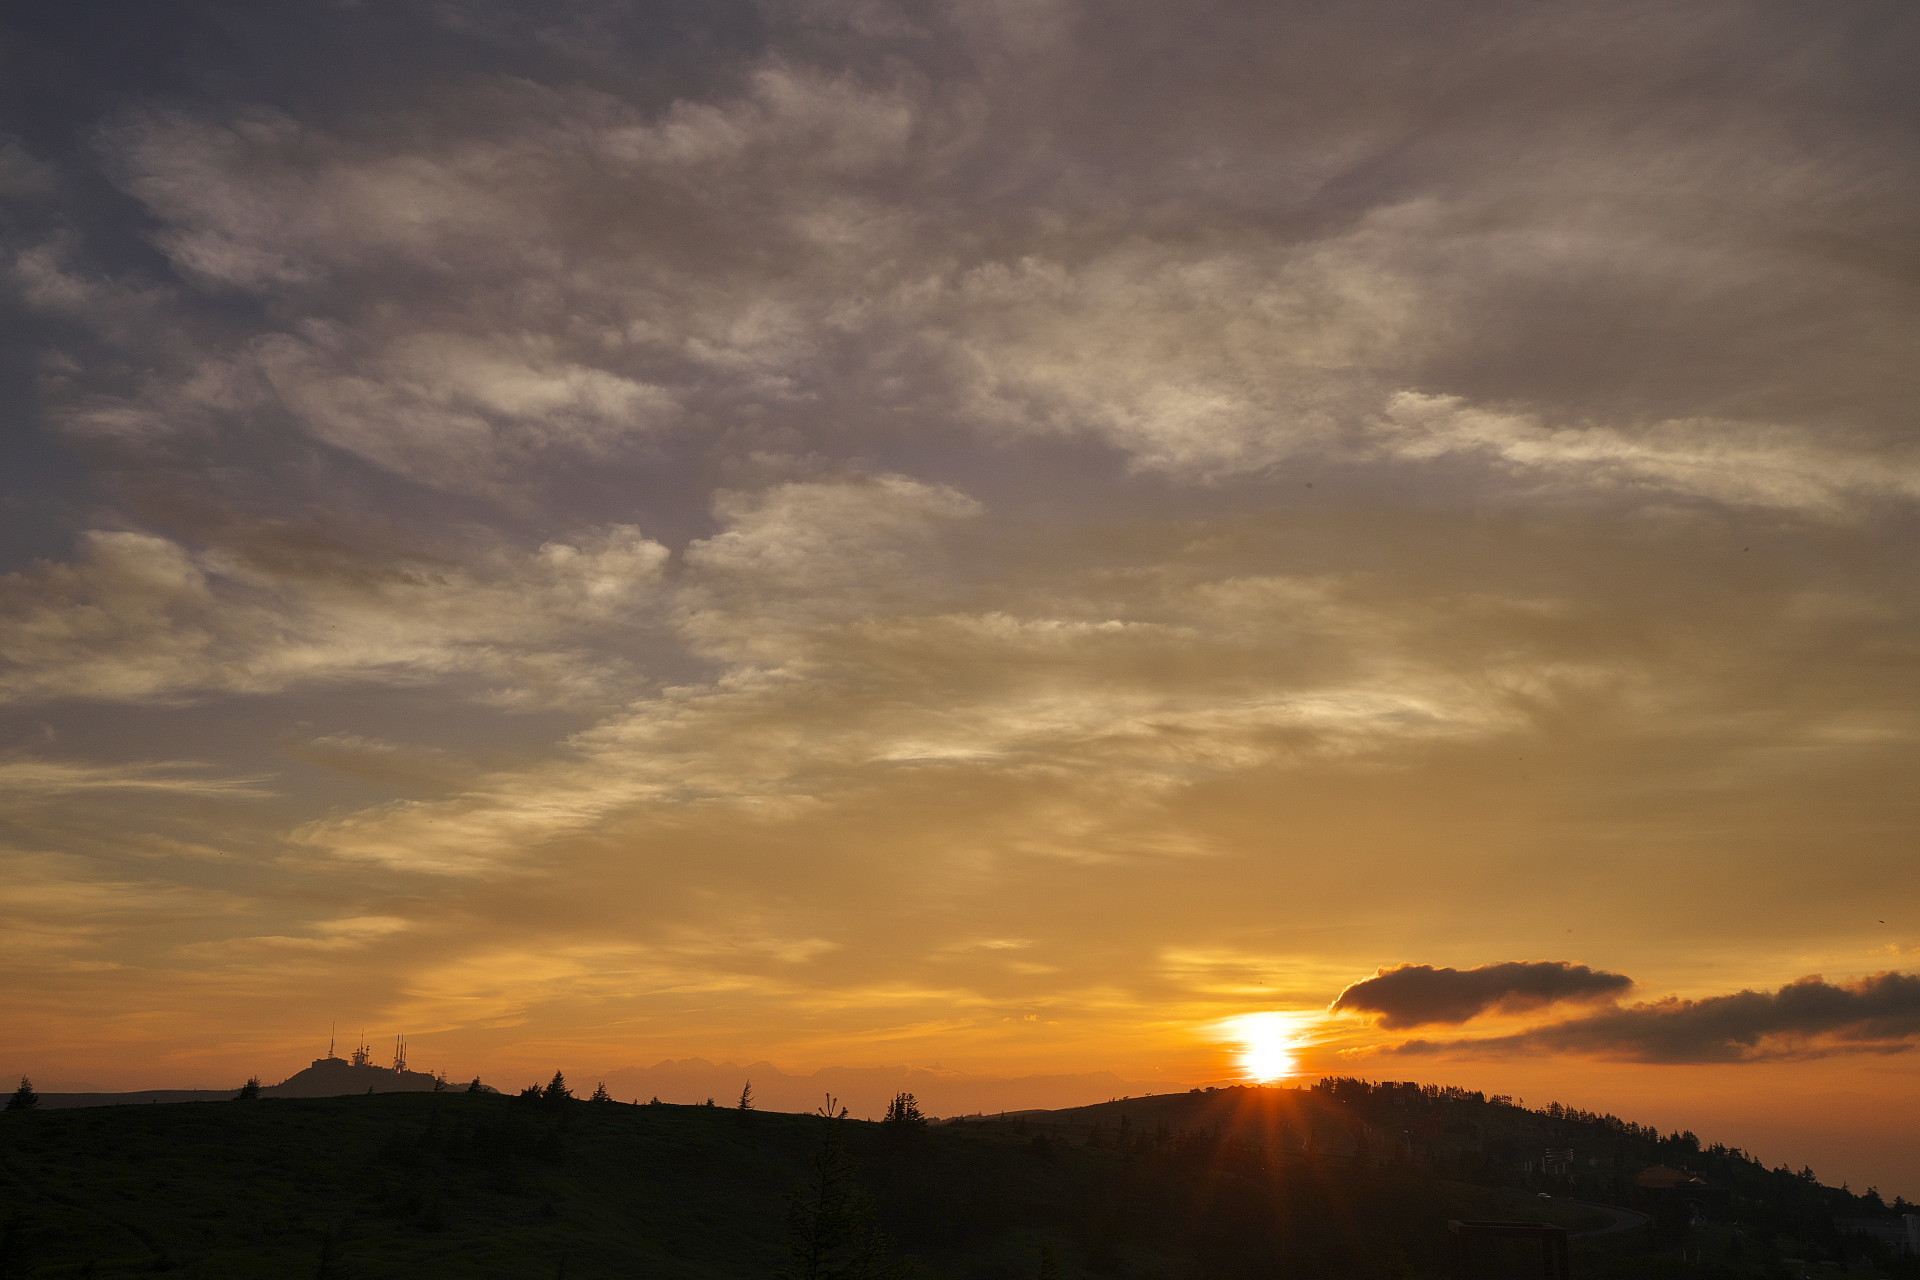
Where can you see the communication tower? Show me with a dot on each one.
(399, 1053)
(362, 1053)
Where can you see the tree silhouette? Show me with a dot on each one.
(904, 1113)
(248, 1091)
(24, 1098)
(556, 1090)
(475, 1086)
(831, 1234)
(600, 1093)
(746, 1097)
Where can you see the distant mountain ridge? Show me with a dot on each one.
(866, 1091)
(325, 1078)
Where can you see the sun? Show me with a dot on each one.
(1270, 1044)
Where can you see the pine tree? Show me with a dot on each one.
(24, 1098)
(600, 1093)
(556, 1090)
(248, 1091)
(475, 1086)
(831, 1233)
(746, 1097)
(904, 1113)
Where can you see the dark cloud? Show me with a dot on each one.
(1807, 1018)
(1418, 995)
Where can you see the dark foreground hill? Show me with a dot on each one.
(1223, 1185)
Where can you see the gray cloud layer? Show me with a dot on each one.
(1807, 1018)
(1415, 995)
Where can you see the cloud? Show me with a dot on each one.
(73, 915)
(1806, 1018)
(455, 410)
(1736, 463)
(30, 778)
(515, 277)
(858, 652)
(1414, 995)
(405, 767)
(141, 617)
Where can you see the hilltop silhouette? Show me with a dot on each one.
(327, 1077)
(1348, 1180)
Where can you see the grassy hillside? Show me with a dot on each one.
(1236, 1183)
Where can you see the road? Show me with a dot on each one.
(1623, 1219)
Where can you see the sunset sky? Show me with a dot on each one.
(1001, 534)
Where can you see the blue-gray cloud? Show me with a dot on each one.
(1415, 995)
(1806, 1018)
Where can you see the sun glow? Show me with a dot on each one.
(1270, 1044)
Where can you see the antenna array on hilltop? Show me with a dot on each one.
(362, 1054)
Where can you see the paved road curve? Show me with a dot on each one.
(1623, 1219)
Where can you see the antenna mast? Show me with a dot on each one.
(400, 1053)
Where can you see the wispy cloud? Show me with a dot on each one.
(140, 617)
(28, 778)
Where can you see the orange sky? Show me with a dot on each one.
(998, 536)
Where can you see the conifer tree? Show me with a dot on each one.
(600, 1093)
(248, 1091)
(24, 1098)
(831, 1234)
(556, 1090)
(475, 1086)
(904, 1113)
(746, 1097)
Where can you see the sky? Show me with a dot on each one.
(998, 536)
